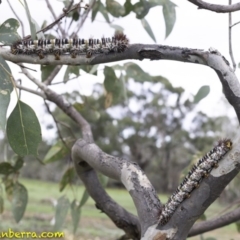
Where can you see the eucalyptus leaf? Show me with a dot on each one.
(75, 213)
(202, 93)
(8, 31)
(148, 29)
(62, 207)
(23, 130)
(19, 201)
(169, 14)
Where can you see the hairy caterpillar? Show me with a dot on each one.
(73, 47)
(200, 170)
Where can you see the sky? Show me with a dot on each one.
(194, 28)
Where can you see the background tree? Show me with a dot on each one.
(155, 131)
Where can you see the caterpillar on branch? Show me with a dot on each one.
(73, 46)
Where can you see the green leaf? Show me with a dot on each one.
(169, 14)
(67, 178)
(103, 179)
(23, 130)
(202, 93)
(75, 213)
(89, 69)
(71, 70)
(19, 163)
(6, 88)
(19, 201)
(56, 152)
(141, 8)
(9, 185)
(115, 8)
(148, 29)
(238, 226)
(1, 204)
(110, 79)
(117, 27)
(84, 199)
(99, 7)
(94, 69)
(135, 72)
(30, 20)
(128, 7)
(46, 71)
(62, 207)
(8, 31)
(6, 168)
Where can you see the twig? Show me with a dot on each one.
(42, 95)
(230, 37)
(235, 24)
(18, 18)
(216, 7)
(56, 123)
(53, 74)
(84, 17)
(57, 20)
(64, 106)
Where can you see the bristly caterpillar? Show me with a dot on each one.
(200, 170)
(73, 46)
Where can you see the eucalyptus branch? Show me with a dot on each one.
(129, 173)
(64, 106)
(211, 58)
(216, 7)
(42, 95)
(230, 37)
(53, 74)
(56, 123)
(58, 19)
(215, 223)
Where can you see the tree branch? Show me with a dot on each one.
(215, 223)
(201, 198)
(211, 58)
(53, 74)
(134, 179)
(31, 91)
(230, 38)
(62, 104)
(122, 218)
(216, 7)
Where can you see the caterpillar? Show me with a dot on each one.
(200, 170)
(73, 47)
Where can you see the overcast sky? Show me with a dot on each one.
(193, 29)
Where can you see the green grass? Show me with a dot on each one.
(93, 223)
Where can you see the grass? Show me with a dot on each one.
(93, 225)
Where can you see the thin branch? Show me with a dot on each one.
(53, 74)
(83, 19)
(215, 223)
(235, 24)
(57, 20)
(18, 18)
(56, 123)
(64, 106)
(216, 7)
(31, 91)
(129, 173)
(230, 38)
